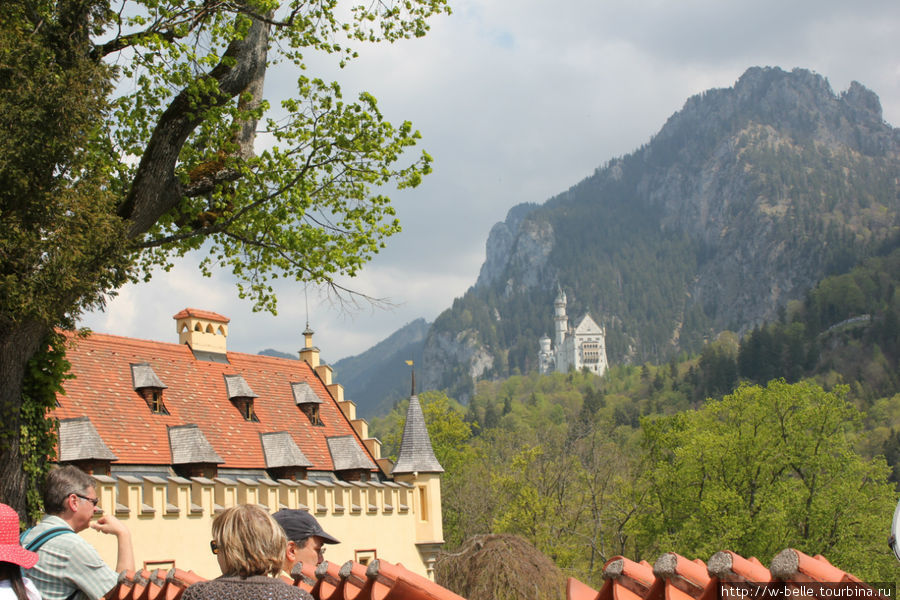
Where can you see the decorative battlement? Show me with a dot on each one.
(151, 496)
(171, 517)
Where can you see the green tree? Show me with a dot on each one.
(765, 469)
(129, 138)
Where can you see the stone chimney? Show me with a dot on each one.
(202, 330)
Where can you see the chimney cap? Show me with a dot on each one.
(201, 314)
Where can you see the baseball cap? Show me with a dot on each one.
(299, 524)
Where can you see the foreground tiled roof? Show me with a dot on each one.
(198, 393)
(672, 577)
(380, 580)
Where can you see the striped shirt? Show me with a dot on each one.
(68, 563)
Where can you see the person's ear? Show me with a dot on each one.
(291, 552)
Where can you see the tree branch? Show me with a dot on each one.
(155, 189)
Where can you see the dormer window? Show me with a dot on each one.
(240, 394)
(149, 386)
(308, 402)
(245, 407)
(154, 398)
(312, 413)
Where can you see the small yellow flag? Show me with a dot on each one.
(409, 362)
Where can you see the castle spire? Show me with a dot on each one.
(416, 452)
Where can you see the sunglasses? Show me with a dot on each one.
(214, 546)
(94, 501)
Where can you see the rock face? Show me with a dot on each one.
(743, 201)
(500, 243)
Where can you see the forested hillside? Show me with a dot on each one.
(744, 200)
(789, 437)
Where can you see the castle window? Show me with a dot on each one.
(423, 503)
(590, 352)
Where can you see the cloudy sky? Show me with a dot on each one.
(517, 100)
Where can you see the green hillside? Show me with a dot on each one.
(753, 445)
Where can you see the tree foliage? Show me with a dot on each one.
(135, 131)
(765, 469)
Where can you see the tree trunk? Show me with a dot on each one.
(18, 343)
(154, 190)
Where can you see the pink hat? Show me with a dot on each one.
(10, 549)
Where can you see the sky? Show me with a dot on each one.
(518, 100)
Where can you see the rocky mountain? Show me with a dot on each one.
(745, 199)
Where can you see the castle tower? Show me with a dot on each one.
(560, 319)
(418, 466)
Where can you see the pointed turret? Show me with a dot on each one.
(416, 453)
(418, 468)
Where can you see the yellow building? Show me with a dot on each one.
(174, 433)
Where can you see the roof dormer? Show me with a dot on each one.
(149, 386)
(203, 331)
(308, 402)
(241, 396)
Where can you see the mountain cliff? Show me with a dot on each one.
(745, 199)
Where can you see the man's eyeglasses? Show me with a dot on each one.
(214, 546)
(94, 501)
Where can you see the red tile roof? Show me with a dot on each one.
(672, 577)
(380, 580)
(196, 393)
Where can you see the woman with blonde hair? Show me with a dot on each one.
(249, 546)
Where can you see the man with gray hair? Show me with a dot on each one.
(306, 538)
(67, 565)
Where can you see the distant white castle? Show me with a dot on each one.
(578, 348)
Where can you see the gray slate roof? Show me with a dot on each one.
(416, 453)
(347, 454)
(79, 440)
(143, 376)
(281, 450)
(238, 387)
(303, 394)
(189, 446)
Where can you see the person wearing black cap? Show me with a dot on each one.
(306, 538)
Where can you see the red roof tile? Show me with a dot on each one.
(675, 578)
(196, 394)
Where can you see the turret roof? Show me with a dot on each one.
(416, 453)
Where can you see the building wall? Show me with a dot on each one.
(171, 518)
